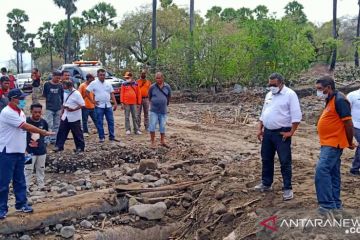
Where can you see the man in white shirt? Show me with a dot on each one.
(280, 117)
(13, 129)
(103, 92)
(354, 99)
(71, 118)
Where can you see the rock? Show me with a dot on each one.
(123, 180)
(129, 171)
(203, 234)
(79, 182)
(70, 188)
(170, 202)
(102, 216)
(38, 194)
(148, 164)
(219, 208)
(67, 232)
(149, 211)
(71, 192)
(150, 178)
(186, 204)
(160, 182)
(25, 237)
(238, 88)
(100, 183)
(54, 189)
(187, 197)
(219, 194)
(321, 237)
(228, 218)
(63, 185)
(133, 202)
(86, 224)
(58, 227)
(78, 188)
(138, 177)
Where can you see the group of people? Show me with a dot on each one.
(279, 120)
(68, 109)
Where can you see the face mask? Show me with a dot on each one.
(67, 91)
(22, 104)
(321, 94)
(274, 90)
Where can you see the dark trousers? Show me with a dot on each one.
(75, 128)
(273, 143)
(12, 167)
(86, 112)
(109, 115)
(356, 163)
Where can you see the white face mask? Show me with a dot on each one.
(274, 90)
(320, 94)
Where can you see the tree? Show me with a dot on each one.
(166, 3)
(244, 14)
(46, 37)
(335, 35)
(213, 12)
(294, 11)
(229, 14)
(16, 31)
(70, 8)
(102, 14)
(261, 12)
(357, 38)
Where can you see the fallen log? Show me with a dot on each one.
(59, 210)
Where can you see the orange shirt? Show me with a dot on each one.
(331, 127)
(130, 93)
(82, 90)
(144, 86)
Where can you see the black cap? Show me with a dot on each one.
(4, 78)
(16, 93)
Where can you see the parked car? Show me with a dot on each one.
(24, 82)
(79, 70)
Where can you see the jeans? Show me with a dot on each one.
(12, 168)
(38, 162)
(86, 112)
(356, 163)
(273, 143)
(108, 112)
(327, 178)
(157, 118)
(53, 120)
(75, 128)
(144, 106)
(130, 109)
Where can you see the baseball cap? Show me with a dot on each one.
(16, 93)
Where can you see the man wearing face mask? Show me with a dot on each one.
(280, 117)
(335, 129)
(13, 128)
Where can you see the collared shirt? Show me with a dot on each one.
(102, 91)
(72, 100)
(331, 128)
(82, 90)
(159, 99)
(354, 99)
(144, 86)
(130, 93)
(12, 137)
(281, 110)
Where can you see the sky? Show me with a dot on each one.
(39, 11)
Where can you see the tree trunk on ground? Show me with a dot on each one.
(357, 38)
(333, 59)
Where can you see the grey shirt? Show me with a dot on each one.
(158, 100)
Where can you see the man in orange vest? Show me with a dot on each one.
(144, 86)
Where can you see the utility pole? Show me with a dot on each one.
(153, 35)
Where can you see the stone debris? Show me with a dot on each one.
(149, 211)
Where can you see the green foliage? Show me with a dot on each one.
(102, 14)
(294, 11)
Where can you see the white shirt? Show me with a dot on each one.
(281, 110)
(11, 135)
(102, 92)
(354, 99)
(75, 100)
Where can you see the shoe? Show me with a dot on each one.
(3, 214)
(25, 209)
(355, 172)
(78, 150)
(86, 135)
(262, 188)
(56, 149)
(288, 195)
(114, 140)
(128, 132)
(138, 133)
(102, 140)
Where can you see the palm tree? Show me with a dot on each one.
(16, 31)
(70, 8)
(334, 53)
(46, 37)
(357, 38)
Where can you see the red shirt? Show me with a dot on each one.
(12, 81)
(3, 93)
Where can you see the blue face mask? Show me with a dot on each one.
(67, 91)
(22, 104)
